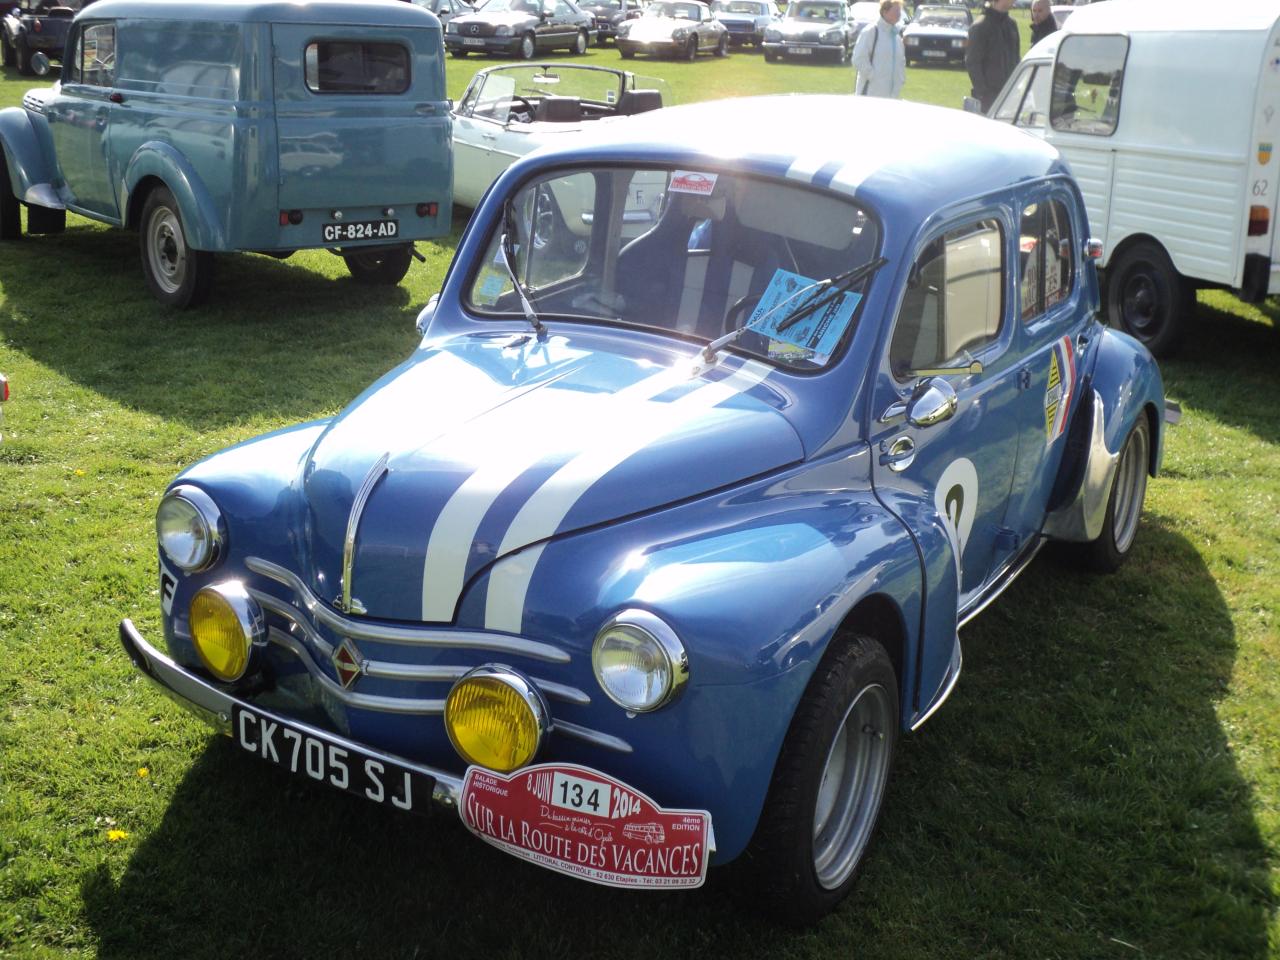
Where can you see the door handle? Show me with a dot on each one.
(897, 456)
(488, 136)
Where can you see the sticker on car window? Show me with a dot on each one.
(491, 288)
(690, 181)
(819, 331)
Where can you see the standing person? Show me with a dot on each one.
(1042, 21)
(993, 51)
(879, 56)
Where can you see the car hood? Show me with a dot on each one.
(481, 446)
(657, 28)
(955, 33)
(512, 18)
(751, 18)
(799, 28)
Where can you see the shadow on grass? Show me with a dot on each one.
(1076, 798)
(274, 339)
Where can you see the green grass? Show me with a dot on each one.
(1105, 781)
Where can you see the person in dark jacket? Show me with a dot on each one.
(1042, 21)
(993, 51)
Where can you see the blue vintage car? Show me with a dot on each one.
(654, 547)
(230, 125)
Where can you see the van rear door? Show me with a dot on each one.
(361, 117)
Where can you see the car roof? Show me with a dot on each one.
(363, 12)
(892, 154)
(1138, 16)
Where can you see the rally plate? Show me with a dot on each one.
(580, 822)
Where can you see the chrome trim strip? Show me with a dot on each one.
(954, 668)
(1002, 580)
(409, 636)
(376, 473)
(388, 670)
(605, 740)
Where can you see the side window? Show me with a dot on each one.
(563, 9)
(353, 66)
(71, 69)
(954, 301)
(1046, 251)
(1087, 82)
(1035, 108)
(1009, 106)
(98, 55)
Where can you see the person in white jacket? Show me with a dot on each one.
(879, 56)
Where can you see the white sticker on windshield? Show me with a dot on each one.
(690, 181)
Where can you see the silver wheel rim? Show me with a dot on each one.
(526, 48)
(166, 250)
(1131, 487)
(581, 45)
(853, 781)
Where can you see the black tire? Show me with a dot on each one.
(722, 48)
(580, 43)
(177, 276)
(770, 57)
(6, 51)
(528, 47)
(384, 268)
(601, 39)
(458, 54)
(1147, 298)
(626, 53)
(10, 209)
(854, 690)
(691, 49)
(44, 220)
(22, 59)
(1124, 505)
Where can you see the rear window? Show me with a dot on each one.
(346, 66)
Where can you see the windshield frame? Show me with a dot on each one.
(476, 312)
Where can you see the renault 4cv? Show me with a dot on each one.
(239, 125)
(654, 547)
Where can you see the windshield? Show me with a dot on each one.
(696, 254)
(677, 11)
(942, 17)
(511, 6)
(604, 5)
(829, 12)
(742, 6)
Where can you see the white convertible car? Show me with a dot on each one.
(509, 111)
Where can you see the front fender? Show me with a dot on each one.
(200, 215)
(30, 167)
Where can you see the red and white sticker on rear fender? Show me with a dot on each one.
(580, 822)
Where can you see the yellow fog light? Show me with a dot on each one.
(495, 718)
(225, 624)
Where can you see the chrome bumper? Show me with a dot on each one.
(213, 706)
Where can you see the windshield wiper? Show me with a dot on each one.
(508, 245)
(834, 286)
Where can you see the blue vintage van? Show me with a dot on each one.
(240, 125)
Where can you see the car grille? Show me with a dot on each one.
(935, 43)
(476, 29)
(808, 36)
(739, 27)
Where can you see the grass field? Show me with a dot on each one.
(1104, 783)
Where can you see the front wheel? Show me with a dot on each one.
(458, 54)
(527, 47)
(384, 268)
(1147, 298)
(829, 782)
(691, 49)
(1124, 506)
(581, 42)
(177, 276)
(770, 57)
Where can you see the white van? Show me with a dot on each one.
(1168, 114)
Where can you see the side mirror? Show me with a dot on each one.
(425, 315)
(972, 105)
(40, 64)
(933, 401)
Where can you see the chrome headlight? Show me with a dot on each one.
(833, 36)
(504, 30)
(624, 29)
(678, 34)
(638, 661)
(190, 528)
(450, 27)
(772, 35)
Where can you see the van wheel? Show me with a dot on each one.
(10, 209)
(177, 276)
(384, 268)
(1147, 298)
(527, 47)
(581, 42)
(829, 782)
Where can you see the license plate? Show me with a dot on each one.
(313, 754)
(364, 230)
(802, 51)
(473, 41)
(935, 53)
(585, 824)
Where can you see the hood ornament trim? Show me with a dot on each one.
(346, 603)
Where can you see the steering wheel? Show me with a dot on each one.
(528, 108)
(743, 305)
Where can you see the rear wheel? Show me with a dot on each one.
(581, 42)
(527, 47)
(824, 800)
(176, 275)
(380, 267)
(1124, 507)
(1147, 298)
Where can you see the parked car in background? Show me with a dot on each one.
(650, 552)
(35, 26)
(811, 29)
(338, 139)
(1180, 175)
(610, 14)
(674, 28)
(446, 10)
(521, 28)
(507, 112)
(939, 34)
(865, 12)
(746, 20)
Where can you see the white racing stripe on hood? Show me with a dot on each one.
(805, 168)
(444, 568)
(543, 512)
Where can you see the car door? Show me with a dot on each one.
(480, 122)
(943, 425)
(80, 120)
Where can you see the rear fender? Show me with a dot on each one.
(203, 222)
(31, 170)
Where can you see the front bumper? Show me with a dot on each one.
(805, 51)
(214, 705)
(507, 45)
(665, 48)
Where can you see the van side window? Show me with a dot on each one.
(1087, 80)
(98, 55)
(954, 300)
(1046, 251)
(352, 66)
